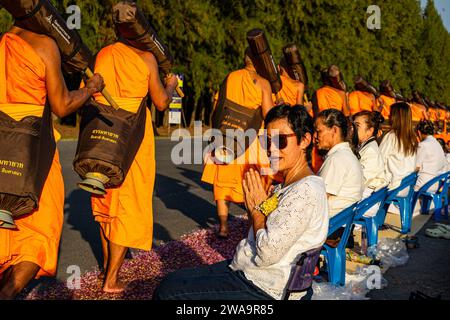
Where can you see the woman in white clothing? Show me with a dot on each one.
(341, 170)
(431, 160)
(367, 125)
(399, 148)
(298, 222)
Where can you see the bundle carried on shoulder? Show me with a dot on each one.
(262, 58)
(293, 63)
(107, 144)
(362, 84)
(133, 29)
(28, 147)
(335, 78)
(40, 16)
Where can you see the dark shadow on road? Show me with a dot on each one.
(79, 211)
(196, 177)
(180, 196)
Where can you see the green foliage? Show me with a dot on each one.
(207, 38)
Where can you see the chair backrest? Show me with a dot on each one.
(441, 179)
(345, 217)
(365, 204)
(302, 276)
(408, 181)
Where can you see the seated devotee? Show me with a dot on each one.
(398, 148)
(431, 160)
(367, 125)
(341, 169)
(263, 261)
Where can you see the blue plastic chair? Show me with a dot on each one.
(437, 197)
(335, 256)
(372, 224)
(404, 203)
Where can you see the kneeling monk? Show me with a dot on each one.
(30, 74)
(125, 213)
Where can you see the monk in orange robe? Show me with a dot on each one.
(246, 88)
(328, 97)
(418, 112)
(360, 100)
(30, 73)
(387, 102)
(125, 213)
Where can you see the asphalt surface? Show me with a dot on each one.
(182, 203)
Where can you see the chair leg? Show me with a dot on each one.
(425, 205)
(372, 232)
(437, 208)
(405, 215)
(336, 267)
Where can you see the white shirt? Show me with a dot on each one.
(343, 178)
(372, 166)
(431, 161)
(397, 164)
(299, 224)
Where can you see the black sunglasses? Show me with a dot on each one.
(280, 140)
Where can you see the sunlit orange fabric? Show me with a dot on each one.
(417, 111)
(359, 101)
(288, 91)
(37, 236)
(388, 102)
(227, 179)
(330, 98)
(125, 213)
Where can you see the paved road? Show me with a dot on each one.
(181, 203)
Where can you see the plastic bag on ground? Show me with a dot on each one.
(392, 252)
(357, 285)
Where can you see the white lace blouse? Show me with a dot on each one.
(299, 224)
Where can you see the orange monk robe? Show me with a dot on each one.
(387, 103)
(288, 92)
(125, 213)
(441, 115)
(23, 93)
(418, 112)
(330, 98)
(360, 100)
(227, 179)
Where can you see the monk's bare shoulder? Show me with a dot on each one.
(147, 57)
(44, 46)
(262, 83)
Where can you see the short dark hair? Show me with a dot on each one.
(298, 119)
(334, 117)
(425, 127)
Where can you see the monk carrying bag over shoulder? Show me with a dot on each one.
(28, 147)
(234, 122)
(108, 142)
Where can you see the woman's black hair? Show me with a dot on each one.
(373, 119)
(299, 121)
(425, 127)
(334, 117)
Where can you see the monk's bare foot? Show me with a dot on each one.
(114, 287)
(223, 232)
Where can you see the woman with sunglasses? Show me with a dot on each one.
(290, 220)
(341, 169)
